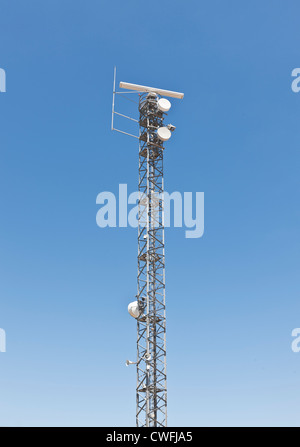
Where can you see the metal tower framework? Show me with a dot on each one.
(150, 308)
(151, 393)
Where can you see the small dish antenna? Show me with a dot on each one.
(164, 133)
(163, 105)
(133, 309)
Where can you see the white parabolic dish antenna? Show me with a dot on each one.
(133, 309)
(164, 104)
(163, 133)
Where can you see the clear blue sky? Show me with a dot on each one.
(232, 295)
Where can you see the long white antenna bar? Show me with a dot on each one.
(143, 88)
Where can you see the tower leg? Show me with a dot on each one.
(151, 397)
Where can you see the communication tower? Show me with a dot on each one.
(149, 308)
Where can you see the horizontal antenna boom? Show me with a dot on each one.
(143, 88)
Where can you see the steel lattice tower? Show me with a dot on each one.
(149, 309)
(151, 324)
